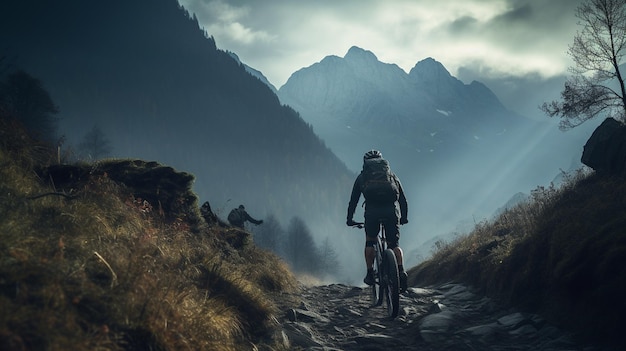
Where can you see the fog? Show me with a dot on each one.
(467, 188)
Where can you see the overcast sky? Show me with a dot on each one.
(517, 47)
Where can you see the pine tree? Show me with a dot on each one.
(24, 98)
(95, 145)
(329, 260)
(270, 235)
(300, 248)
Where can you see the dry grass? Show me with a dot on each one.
(561, 254)
(100, 272)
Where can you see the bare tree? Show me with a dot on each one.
(95, 144)
(596, 86)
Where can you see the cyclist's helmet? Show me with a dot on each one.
(372, 154)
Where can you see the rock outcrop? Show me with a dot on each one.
(605, 151)
(166, 190)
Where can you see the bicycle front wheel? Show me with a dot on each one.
(391, 283)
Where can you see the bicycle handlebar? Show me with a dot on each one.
(358, 225)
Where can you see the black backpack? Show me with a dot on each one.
(235, 216)
(379, 185)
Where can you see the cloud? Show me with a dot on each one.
(463, 24)
(510, 37)
(226, 22)
(225, 12)
(522, 13)
(237, 32)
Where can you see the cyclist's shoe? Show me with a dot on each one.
(403, 281)
(369, 278)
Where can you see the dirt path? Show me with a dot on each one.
(446, 317)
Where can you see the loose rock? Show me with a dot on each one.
(446, 317)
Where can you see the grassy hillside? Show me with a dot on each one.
(92, 266)
(561, 254)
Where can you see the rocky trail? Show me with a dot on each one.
(446, 317)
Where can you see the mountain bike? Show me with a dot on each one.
(386, 287)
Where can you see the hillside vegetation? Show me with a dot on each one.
(95, 267)
(562, 254)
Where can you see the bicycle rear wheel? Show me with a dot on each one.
(391, 283)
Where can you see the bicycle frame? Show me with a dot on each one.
(377, 289)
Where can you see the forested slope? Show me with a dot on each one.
(158, 87)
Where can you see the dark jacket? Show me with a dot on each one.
(242, 217)
(375, 208)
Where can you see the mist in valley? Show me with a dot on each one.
(466, 189)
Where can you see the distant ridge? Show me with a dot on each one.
(254, 72)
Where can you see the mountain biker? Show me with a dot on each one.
(210, 217)
(238, 217)
(380, 209)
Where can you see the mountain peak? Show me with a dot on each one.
(356, 53)
(429, 67)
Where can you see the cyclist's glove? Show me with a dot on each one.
(404, 220)
(350, 222)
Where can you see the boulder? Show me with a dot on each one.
(605, 151)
